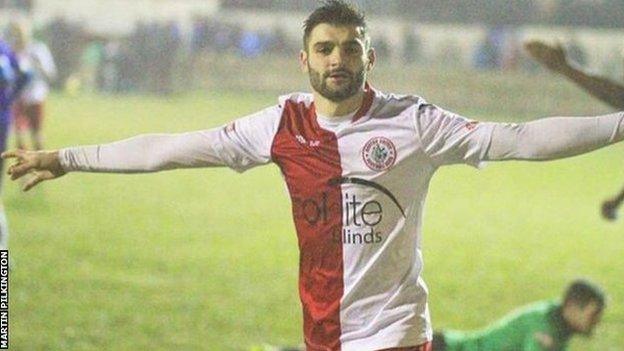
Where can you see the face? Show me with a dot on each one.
(583, 320)
(337, 61)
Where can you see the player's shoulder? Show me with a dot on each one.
(388, 105)
(296, 98)
(537, 310)
(543, 306)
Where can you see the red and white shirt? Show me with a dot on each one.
(358, 190)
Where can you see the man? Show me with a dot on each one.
(30, 106)
(12, 80)
(357, 164)
(543, 326)
(608, 91)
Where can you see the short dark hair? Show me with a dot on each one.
(334, 12)
(582, 291)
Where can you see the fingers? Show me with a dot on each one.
(24, 162)
(34, 180)
(532, 44)
(537, 47)
(18, 170)
(537, 50)
(12, 154)
(37, 177)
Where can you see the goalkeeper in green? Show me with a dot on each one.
(543, 326)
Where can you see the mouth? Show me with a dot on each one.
(339, 76)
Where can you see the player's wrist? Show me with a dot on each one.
(50, 160)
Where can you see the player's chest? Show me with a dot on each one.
(367, 151)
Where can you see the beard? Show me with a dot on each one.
(340, 93)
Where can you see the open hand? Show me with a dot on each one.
(42, 165)
(553, 57)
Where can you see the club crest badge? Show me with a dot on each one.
(379, 154)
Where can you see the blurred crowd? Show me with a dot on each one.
(151, 57)
(501, 48)
(163, 57)
(593, 13)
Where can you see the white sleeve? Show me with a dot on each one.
(556, 137)
(448, 138)
(240, 145)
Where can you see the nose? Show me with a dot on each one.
(336, 57)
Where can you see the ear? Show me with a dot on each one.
(303, 61)
(372, 58)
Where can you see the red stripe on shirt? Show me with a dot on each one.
(309, 158)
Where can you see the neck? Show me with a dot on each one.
(330, 108)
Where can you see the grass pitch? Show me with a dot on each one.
(207, 259)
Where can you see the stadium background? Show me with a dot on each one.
(207, 260)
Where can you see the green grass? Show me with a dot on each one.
(207, 259)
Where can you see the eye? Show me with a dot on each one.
(353, 49)
(325, 50)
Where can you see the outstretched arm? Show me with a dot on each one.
(141, 154)
(242, 144)
(554, 58)
(147, 153)
(554, 138)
